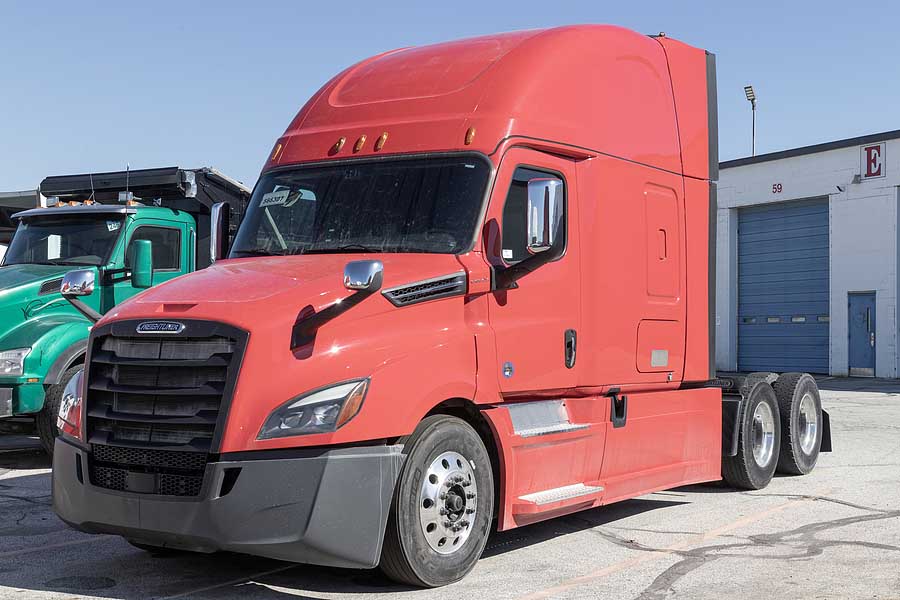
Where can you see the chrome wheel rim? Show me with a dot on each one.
(763, 434)
(808, 423)
(448, 502)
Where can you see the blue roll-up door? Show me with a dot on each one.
(783, 287)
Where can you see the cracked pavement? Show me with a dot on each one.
(832, 534)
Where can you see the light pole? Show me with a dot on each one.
(751, 96)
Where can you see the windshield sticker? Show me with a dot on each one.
(113, 225)
(507, 253)
(278, 198)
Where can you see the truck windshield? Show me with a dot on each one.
(414, 205)
(64, 240)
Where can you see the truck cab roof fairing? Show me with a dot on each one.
(594, 86)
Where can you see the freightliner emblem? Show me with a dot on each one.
(160, 327)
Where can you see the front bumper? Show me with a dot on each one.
(323, 507)
(25, 398)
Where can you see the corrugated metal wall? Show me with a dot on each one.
(783, 282)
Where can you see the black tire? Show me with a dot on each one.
(790, 388)
(45, 421)
(407, 556)
(742, 471)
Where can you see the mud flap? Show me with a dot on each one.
(731, 424)
(826, 433)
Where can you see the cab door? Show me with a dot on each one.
(171, 254)
(535, 324)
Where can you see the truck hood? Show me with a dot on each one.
(14, 276)
(372, 339)
(244, 291)
(21, 302)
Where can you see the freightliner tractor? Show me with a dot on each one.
(472, 291)
(42, 336)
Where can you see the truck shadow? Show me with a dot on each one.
(108, 567)
(856, 384)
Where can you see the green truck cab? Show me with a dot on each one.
(128, 230)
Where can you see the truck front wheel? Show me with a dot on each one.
(759, 441)
(46, 419)
(442, 508)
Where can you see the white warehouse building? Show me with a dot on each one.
(807, 259)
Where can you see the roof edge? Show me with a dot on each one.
(814, 149)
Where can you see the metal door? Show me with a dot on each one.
(862, 333)
(783, 287)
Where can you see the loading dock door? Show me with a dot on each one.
(783, 287)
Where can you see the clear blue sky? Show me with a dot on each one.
(90, 86)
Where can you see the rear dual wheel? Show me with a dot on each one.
(800, 409)
(442, 508)
(759, 441)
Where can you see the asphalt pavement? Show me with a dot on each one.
(832, 534)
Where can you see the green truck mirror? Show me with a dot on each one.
(142, 272)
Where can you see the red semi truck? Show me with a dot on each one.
(473, 290)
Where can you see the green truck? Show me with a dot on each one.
(181, 219)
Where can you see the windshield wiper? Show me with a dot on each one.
(246, 253)
(348, 248)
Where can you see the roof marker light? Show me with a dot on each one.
(338, 145)
(276, 152)
(470, 135)
(360, 143)
(379, 143)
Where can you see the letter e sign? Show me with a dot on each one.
(872, 161)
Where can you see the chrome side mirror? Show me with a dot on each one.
(218, 231)
(78, 283)
(364, 275)
(545, 210)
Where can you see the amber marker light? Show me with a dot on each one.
(338, 145)
(276, 152)
(470, 135)
(360, 143)
(353, 403)
(379, 143)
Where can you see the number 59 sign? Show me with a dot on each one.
(776, 188)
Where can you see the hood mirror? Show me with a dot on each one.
(78, 283)
(364, 275)
(545, 207)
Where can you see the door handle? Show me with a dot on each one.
(571, 342)
(872, 339)
(618, 409)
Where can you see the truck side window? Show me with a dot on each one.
(166, 247)
(514, 217)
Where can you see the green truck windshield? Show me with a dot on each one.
(418, 205)
(64, 240)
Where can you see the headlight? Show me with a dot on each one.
(12, 361)
(69, 419)
(320, 411)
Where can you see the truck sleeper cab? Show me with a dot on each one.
(464, 297)
(86, 228)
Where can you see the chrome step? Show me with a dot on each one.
(548, 429)
(567, 492)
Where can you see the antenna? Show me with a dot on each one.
(92, 186)
(127, 172)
